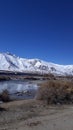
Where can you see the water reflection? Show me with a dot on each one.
(20, 89)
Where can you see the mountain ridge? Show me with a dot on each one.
(10, 62)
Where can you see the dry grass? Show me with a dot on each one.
(4, 96)
(4, 78)
(55, 92)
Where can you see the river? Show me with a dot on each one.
(20, 89)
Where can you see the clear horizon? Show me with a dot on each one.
(39, 29)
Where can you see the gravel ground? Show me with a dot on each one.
(33, 115)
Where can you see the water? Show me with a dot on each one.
(20, 89)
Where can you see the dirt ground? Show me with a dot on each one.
(33, 115)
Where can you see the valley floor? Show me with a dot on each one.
(34, 114)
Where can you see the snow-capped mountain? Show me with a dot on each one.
(9, 62)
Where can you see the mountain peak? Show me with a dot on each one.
(10, 62)
(9, 53)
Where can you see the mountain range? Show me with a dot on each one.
(10, 62)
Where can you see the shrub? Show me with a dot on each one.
(2, 109)
(4, 96)
(3, 78)
(56, 92)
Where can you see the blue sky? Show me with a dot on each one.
(37, 29)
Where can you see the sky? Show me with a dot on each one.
(37, 29)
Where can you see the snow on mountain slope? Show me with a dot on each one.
(10, 62)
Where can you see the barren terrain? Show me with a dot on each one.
(34, 114)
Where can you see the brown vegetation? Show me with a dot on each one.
(3, 78)
(4, 96)
(56, 92)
